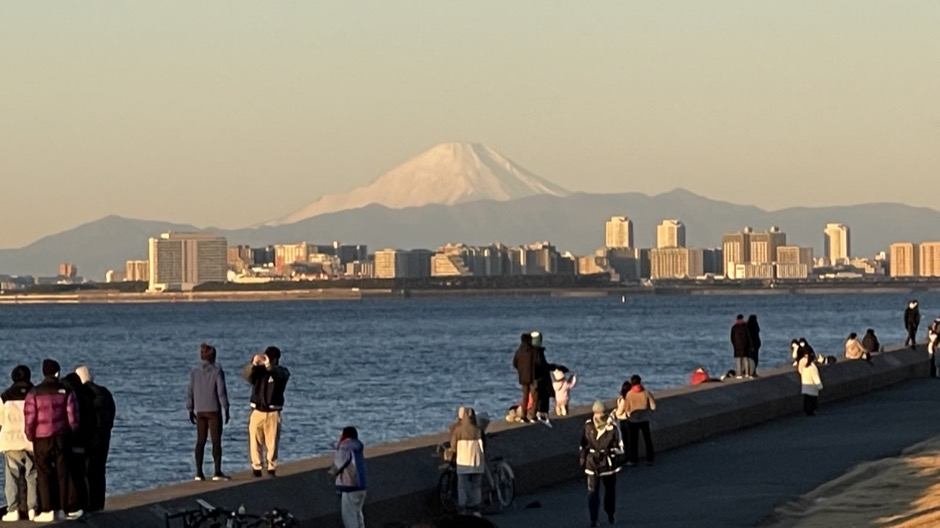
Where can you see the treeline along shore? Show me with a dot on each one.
(551, 285)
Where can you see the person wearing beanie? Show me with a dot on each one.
(52, 417)
(268, 381)
(911, 322)
(524, 361)
(20, 472)
(562, 386)
(601, 445)
(100, 443)
(467, 441)
(206, 402)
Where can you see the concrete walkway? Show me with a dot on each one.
(738, 479)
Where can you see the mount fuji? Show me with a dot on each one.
(446, 174)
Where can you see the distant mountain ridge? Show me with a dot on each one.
(573, 222)
(447, 174)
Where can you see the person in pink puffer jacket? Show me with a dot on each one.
(562, 385)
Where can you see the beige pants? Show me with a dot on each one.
(264, 431)
(561, 409)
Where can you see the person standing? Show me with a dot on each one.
(207, 400)
(97, 453)
(810, 383)
(640, 404)
(911, 322)
(753, 333)
(349, 470)
(600, 443)
(543, 380)
(524, 363)
(466, 440)
(20, 474)
(620, 414)
(933, 341)
(741, 343)
(51, 415)
(562, 385)
(268, 381)
(81, 442)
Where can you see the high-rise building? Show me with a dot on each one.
(929, 259)
(670, 234)
(904, 259)
(764, 244)
(837, 244)
(181, 261)
(619, 232)
(735, 249)
(676, 263)
(390, 264)
(287, 254)
(67, 269)
(794, 262)
(137, 271)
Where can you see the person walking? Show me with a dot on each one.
(466, 440)
(640, 405)
(810, 383)
(81, 442)
(741, 344)
(20, 474)
(911, 322)
(349, 470)
(524, 363)
(600, 444)
(206, 401)
(753, 333)
(268, 381)
(870, 342)
(97, 451)
(51, 415)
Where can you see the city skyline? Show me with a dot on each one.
(611, 97)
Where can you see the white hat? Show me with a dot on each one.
(558, 375)
(84, 374)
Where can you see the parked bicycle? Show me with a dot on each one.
(209, 516)
(499, 483)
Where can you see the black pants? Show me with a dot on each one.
(911, 337)
(809, 404)
(594, 495)
(97, 466)
(634, 429)
(530, 391)
(78, 483)
(52, 472)
(625, 436)
(209, 424)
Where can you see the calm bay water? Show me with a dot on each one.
(398, 368)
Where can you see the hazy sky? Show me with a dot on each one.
(228, 113)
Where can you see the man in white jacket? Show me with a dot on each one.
(17, 450)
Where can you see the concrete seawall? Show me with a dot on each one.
(403, 475)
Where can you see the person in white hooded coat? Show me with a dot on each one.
(810, 383)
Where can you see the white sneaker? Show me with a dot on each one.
(11, 516)
(45, 517)
(32, 515)
(77, 514)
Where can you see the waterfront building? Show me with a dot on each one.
(792, 270)
(240, 258)
(592, 265)
(287, 254)
(630, 264)
(402, 264)
(764, 244)
(794, 262)
(181, 261)
(67, 269)
(929, 259)
(670, 234)
(713, 261)
(137, 271)
(837, 244)
(735, 249)
(904, 259)
(676, 263)
(619, 232)
(453, 260)
(360, 269)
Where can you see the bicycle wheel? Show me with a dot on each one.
(447, 491)
(505, 485)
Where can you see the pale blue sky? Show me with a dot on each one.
(232, 112)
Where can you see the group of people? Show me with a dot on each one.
(745, 341)
(55, 438)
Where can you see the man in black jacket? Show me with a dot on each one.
(601, 445)
(741, 343)
(911, 322)
(525, 363)
(268, 381)
(100, 445)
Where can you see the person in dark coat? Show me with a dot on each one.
(601, 443)
(524, 361)
(870, 341)
(543, 380)
(741, 343)
(753, 332)
(81, 442)
(97, 454)
(911, 322)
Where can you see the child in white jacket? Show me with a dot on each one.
(562, 385)
(810, 383)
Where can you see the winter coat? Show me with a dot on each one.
(599, 444)
(349, 466)
(753, 334)
(50, 410)
(740, 340)
(13, 419)
(698, 377)
(267, 386)
(207, 391)
(525, 363)
(562, 387)
(870, 342)
(88, 418)
(639, 404)
(912, 318)
(105, 409)
(854, 349)
(466, 440)
(809, 377)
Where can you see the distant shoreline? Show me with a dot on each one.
(355, 294)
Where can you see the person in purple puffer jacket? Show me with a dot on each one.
(51, 413)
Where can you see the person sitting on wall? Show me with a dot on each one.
(855, 350)
(871, 343)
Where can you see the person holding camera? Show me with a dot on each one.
(268, 381)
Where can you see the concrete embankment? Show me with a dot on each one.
(403, 476)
